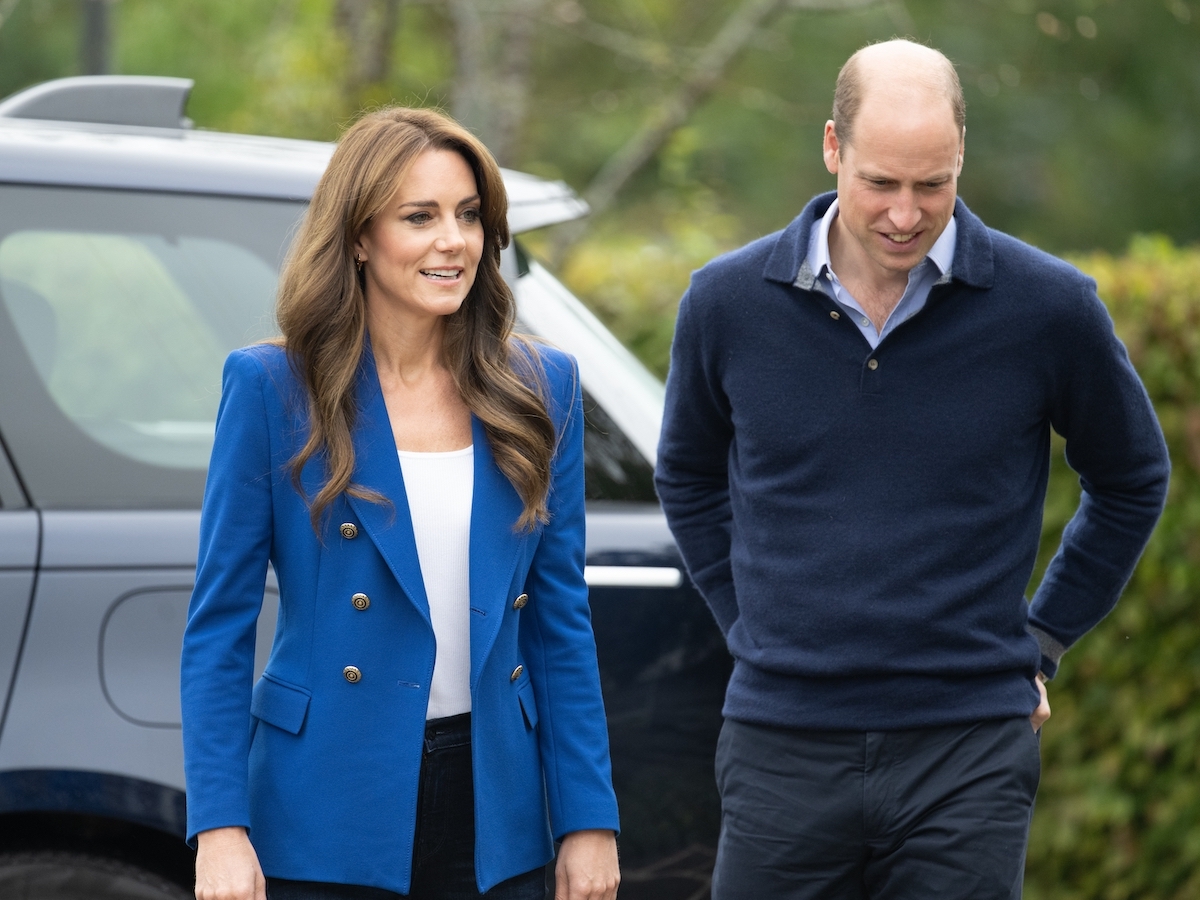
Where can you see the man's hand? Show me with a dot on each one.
(227, 867)
(587, 866)
(1042, 713)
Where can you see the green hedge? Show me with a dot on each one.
(1118, 812)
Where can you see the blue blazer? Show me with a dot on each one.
(324, 771)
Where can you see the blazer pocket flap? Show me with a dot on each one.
(280, 704)
(528, 706)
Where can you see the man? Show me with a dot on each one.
(853, 461)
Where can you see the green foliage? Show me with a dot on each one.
(260, 66)
(38, 41)
(1083, 115)
(1118, 813)
(633, 270)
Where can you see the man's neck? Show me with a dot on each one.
(877, 291)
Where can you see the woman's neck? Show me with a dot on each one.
(406, 348)
(425, 409)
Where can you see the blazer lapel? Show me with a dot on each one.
(377, 466)
(495, 545)
(495, 548)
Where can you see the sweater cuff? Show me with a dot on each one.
(1052, 651)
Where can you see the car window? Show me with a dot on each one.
(122, 331)
(614, 468)
(119, 308)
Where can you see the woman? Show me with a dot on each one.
(414, 473)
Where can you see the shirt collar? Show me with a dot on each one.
(818, 261)
(818, 252)
(942, 251)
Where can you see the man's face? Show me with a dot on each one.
(896, 182)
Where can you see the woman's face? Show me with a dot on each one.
(421, 253)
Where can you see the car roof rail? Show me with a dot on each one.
(141, 100)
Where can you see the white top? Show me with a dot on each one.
(439, 488)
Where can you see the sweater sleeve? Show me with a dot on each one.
(692, 475)
(1114, 443)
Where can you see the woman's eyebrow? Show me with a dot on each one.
(434, 203)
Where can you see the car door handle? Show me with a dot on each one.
(633, 576)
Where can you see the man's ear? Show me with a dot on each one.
(962, 147)
(831, 148)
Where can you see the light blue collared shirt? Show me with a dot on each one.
(816, 272)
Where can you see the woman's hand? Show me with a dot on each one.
(1042, 713)
(227, 867)
(587, 866)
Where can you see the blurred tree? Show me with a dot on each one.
(493, 51)
(95, 38)
(1055, 152)
(6, 10)
(369, 27)
(695, 81)
(39, 39)
(1084, 115)
(673, 111)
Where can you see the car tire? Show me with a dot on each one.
(74, 876)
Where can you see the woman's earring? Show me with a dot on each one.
(358, 262)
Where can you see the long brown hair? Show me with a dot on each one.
(322, 311)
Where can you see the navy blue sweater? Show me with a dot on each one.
(863, 524)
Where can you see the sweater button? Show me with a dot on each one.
(352, 674)
(360, 601)
(349, 530)
(872, 364)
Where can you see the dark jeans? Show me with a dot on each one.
(444, 847)
(838, 815)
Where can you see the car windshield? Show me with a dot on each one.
(612, 375)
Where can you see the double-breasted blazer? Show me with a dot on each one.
(322, 764)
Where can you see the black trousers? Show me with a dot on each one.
(933, 812)
(444, 845)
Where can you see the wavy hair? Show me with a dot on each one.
(321, 310)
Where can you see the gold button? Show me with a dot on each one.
(834, 314)
(520, 602)
(351, 674)
(349, 531)
(872, 364)
(360, 601)
(516, 673)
